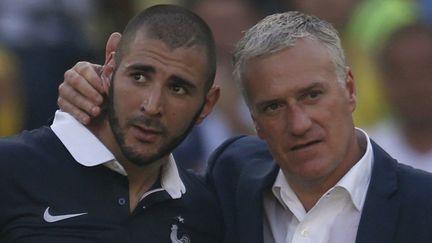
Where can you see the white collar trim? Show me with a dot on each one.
(83, 145)
(356, 180)
(89, 151)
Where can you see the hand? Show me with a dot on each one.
(81, 93)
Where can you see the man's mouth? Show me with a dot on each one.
(146, 134)
(304, 145)
(146, 129)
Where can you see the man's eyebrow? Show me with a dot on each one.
(312, 86)
(141, 67)
(173, 79)
(303, 90)
(183, 82)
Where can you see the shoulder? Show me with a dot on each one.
(196, 186)
(17, 145)
(415, 181)
(412, 184)
(241, 142)
(198, 190)
(232, 168)
(26, 148)
(237, 152)
(25, 142)
(238, 160)
(414, 195)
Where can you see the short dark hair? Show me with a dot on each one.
(176, 27)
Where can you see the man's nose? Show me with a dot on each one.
(299, 121)
(152, 101)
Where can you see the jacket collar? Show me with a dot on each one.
(381, 208)
(258, 176)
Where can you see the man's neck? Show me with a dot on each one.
(141, 179)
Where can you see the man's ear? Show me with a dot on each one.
(112, 44)
(211, 100)
(351, 89)
(108, 69)
(110, 52)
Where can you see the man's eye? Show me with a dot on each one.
(178, 89)
(139, 77)
(271, 107)
(313, 95)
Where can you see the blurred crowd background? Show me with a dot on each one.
(388, 44)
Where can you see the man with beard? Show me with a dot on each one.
(115, 180)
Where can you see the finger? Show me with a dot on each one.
(105, 84)
(80, 115)
(80, 83)
(77, 101)
(97, 68)
(91, 73)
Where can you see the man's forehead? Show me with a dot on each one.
(144, 40)
(169, 42)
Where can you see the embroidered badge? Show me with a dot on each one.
(174, 236)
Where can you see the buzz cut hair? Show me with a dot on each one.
(176, 27)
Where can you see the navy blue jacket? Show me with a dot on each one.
(398, 206)
(38, 177)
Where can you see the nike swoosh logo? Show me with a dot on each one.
(54, 218)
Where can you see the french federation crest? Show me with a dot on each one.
(174, 236)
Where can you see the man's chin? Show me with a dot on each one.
(141, 160)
